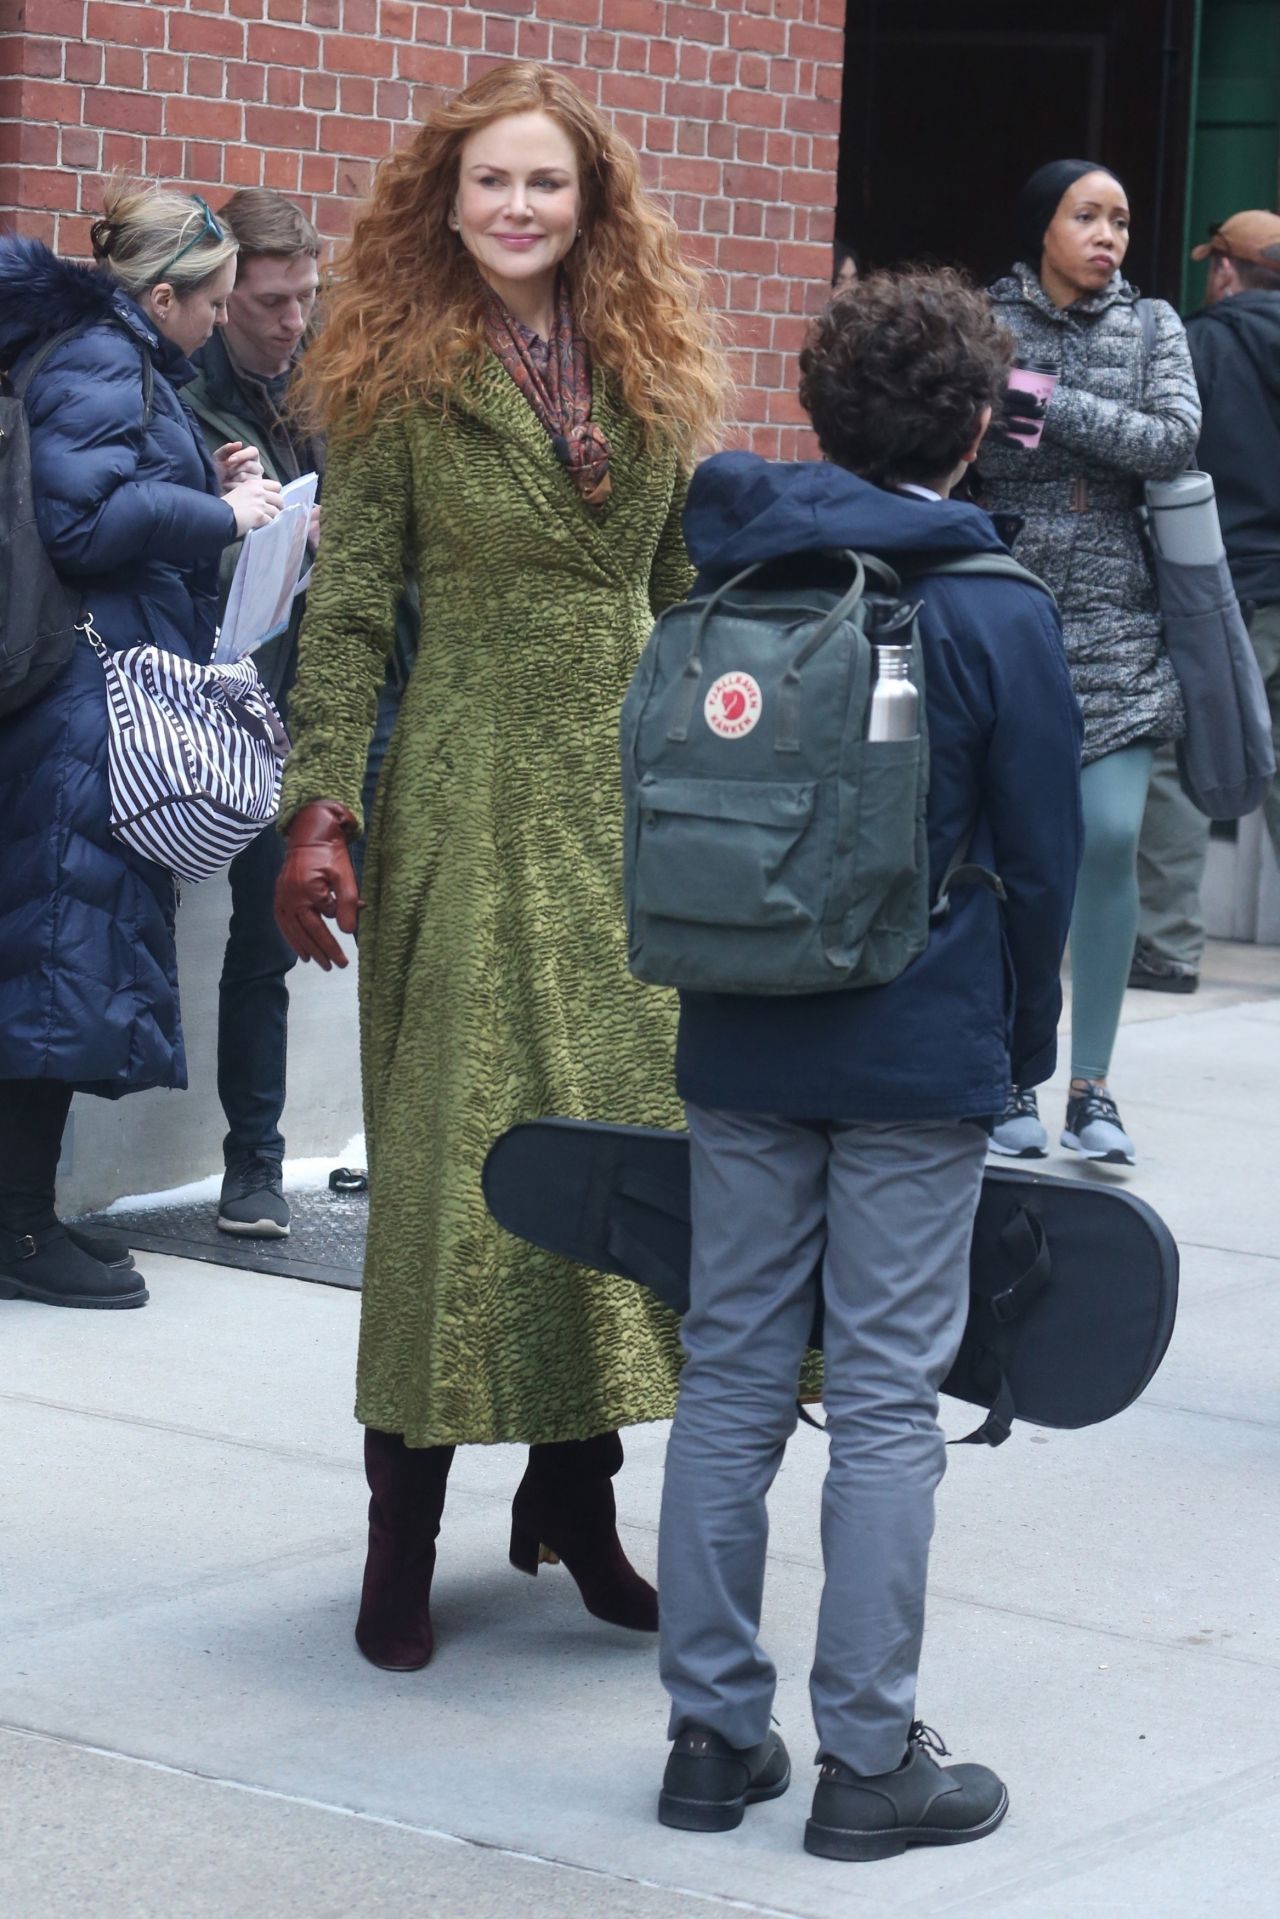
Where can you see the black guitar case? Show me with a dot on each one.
(1074, 1286)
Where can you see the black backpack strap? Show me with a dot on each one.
(41, 354)
(994, 1318)
(1146, 312)
(38, 359)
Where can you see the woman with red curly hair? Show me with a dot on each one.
(516, 374)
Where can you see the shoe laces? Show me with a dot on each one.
(1022, 1103)
(928, 1740)
(1094, 1104)
(254, 1172)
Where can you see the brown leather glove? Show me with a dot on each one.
(317, 882)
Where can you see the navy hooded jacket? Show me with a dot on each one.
(130, 517)
(978, 1009)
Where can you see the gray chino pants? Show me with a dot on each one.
(1175, 835)
(1171, 857)
(887, 1212)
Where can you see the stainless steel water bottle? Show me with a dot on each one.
(895, 702)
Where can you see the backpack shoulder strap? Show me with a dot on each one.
(1146, 312)
(38, 358)
(1001, 566)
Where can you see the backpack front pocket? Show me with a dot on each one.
(890, 808)
(736, 853)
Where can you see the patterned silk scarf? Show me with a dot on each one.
(557, 384)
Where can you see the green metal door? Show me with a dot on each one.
(1236, 121)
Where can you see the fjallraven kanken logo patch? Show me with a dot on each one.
(733, 705)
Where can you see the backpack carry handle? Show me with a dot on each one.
(692, 675)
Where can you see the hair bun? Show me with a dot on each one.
(102, 236)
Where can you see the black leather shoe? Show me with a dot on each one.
(48, 1266)
(1150, 972)
(709, 1784)
(878, 1815)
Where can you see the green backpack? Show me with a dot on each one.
(770, 847)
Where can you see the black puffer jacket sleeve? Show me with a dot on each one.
(95, 510)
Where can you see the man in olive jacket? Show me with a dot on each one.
(240, 393)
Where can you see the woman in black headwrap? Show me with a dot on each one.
(1117, 416)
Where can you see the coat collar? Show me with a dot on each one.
(226, 386)
(491, 396)
(1022, 287)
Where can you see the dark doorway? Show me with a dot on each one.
(949, 105)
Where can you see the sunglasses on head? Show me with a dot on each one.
(210, 230)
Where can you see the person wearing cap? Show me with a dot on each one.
(1117, 416)
(1235, 348)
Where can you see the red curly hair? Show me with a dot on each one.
(403, 318)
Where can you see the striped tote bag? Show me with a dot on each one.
(194, 756)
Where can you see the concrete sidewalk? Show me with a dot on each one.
(187, 1732)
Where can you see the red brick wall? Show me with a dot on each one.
(734, 104)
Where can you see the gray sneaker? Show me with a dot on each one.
(1093, 1128)
(253, 1201)
(877, 1816)
(1018, 1133)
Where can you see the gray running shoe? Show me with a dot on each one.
(1018, 1133)
(253, 1201)
(1093, 1128)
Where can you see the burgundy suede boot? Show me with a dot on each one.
(564, 1510)
(407, 1484)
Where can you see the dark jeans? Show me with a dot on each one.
(253, 1005)
(384, 726)
(33, 1118)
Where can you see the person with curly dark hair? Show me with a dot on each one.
(838, 1139)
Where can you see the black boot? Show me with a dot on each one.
(106, 1248)
(39, 1258)
(878, 1815)
(46, 1265)
(564, 1510)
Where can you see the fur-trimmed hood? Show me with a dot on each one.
(41, 295)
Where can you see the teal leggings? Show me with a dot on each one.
(1104, 924)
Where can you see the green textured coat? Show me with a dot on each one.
(493, 977)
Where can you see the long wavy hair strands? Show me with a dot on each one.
(403, 309)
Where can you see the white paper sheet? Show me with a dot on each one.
(267, 576)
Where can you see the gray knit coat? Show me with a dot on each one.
(1114, 421)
